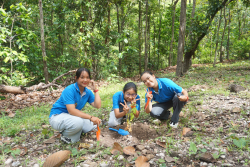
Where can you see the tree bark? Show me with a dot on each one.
(108, 28)
(146, 45)
(139, 35)
(149, 16)
(239, 21)
(172, 37)
(45, 69)
(217, 39)
(225, 26)
(159, 39)
(228, 34)
(181, 41)
(119, 44)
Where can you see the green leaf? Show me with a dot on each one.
(203, 150)
(215, 155)
(240, 143)
(192, 148)
(74, 151)
(161, 160)
(45, 132)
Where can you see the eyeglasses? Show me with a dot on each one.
(130, 95)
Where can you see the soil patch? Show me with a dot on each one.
(139, 132)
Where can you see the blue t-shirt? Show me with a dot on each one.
(166, 90)
(71, 95)
(118, 98)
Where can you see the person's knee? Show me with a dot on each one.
(112, 123)
(77, 124)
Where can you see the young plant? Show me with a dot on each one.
(130, 116)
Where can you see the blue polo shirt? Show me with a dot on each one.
(118, 98)
(166, 89)
(71, 95)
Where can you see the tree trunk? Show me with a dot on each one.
(181, 41)
(118, 24)
(228, 34)
(149, 16)
(108, 29)
(239, 21)
(159, 39)
(172, 38)
(217, 39)
(139, 35)
(146, 45)
(225, 26)
(45, 69)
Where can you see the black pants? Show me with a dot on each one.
(161, 110)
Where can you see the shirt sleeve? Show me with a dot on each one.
(91, 97)
(68, 96)
(138, 103)
(116, 101)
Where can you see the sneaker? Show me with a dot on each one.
(65, 139)
(173, 124)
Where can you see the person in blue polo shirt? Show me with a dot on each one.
(66, 115)
(122, 101)
(166, 94)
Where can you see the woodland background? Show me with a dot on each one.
(117, 38)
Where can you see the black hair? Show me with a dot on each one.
(149, 72)
(80, 70)
(130, 85)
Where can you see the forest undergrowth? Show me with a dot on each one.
(213, 130)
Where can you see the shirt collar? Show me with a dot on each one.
(77, 88)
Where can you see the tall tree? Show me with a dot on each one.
(181, 41)
(159, 38)
(172, 30)
(217, 38)
(146, 44)
(222, 37)
(213, 7)
(139, 35)
(45, 68)
(228, 34)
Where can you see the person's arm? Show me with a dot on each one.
(73, 111)
(149, 98)
(97, 102)
(119, 114)
(185, 97)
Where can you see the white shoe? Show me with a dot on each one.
(173, 124)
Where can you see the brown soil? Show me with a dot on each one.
(139, 132)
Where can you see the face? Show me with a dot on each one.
(129, 95)
(83, 80)
(148, 79)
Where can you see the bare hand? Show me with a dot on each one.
(96, 121)
(137, 114)
(133, 102)
(182, 98)
(125, 107)
(93, 85)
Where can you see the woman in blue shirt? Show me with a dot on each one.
(166, 94)
(122, 101)
(66, 115)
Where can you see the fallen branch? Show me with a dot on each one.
(23, 90)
